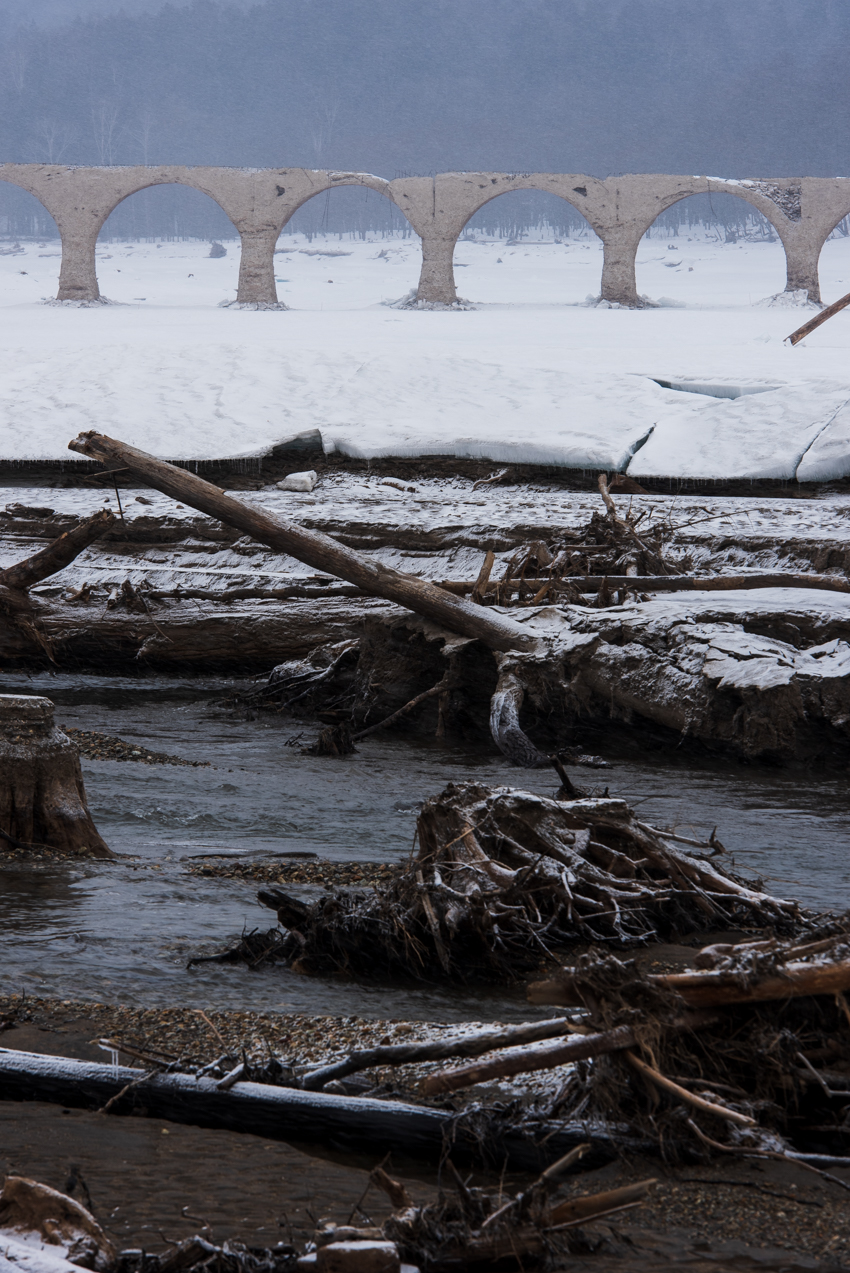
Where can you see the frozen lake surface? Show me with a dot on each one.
(534, 372)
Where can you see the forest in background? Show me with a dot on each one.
(427, 86)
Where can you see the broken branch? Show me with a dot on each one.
(312, 547)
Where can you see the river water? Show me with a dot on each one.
(123, 932)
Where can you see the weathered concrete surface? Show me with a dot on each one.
(260, 201)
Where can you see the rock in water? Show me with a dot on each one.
(42, 797)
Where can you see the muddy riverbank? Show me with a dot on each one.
(152, 1182)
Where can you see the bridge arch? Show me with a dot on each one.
(540, 230)
(674, 253)
(167, 214)
(338, 222)
(439, 207)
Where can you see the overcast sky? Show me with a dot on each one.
(723, 87)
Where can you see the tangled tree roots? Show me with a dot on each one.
(505, 879)
(768, 1079)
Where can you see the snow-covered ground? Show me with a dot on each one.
(532, 373)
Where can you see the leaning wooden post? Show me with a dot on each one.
(42, 798)
(312, 547)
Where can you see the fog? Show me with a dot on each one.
(399, 87)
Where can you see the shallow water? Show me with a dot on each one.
(124, 932)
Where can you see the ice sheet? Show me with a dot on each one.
(532, 373)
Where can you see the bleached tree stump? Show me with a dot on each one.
(42, 797)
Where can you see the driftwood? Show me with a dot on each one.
(42, 797)
(312, 547)
(472, 1228)
(772, 1011)
(505, 879)
(667, 583)
(410, 1053)
(57, 555)
(807, 328)
(715, 988)
(58, 1223)
(526, 1060)
(283, 1113)
(15, 603)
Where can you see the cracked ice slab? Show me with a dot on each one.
(474, 408)
(757, 435)
(828, 456)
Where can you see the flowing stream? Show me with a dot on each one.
(123, 932)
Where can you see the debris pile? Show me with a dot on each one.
(748, 1054)
(504, 880)
(466, 1227)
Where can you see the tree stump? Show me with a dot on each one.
(42, 797)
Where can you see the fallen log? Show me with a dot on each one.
(675, 583)
(410, 1053)
(15, 603)
(59, 554)
(527, 1059)
(312, 547)
(349, 1123)
(807, 328)
(591, 1206)
(716, 988)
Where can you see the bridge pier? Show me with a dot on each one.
(78, 271)
(437, 276)
(256, 266)
(619, 282)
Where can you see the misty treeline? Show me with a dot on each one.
(402, 87)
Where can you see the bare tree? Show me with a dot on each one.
(142, 131)
(105, 129)
(322, 129)
(52, 139)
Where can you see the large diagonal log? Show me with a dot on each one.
(310, 546)
(802, 332)
(59, 554)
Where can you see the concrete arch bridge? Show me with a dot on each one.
(259, 202)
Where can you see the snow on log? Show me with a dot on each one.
(312, 547)
(348, 1123)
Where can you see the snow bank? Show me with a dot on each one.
(492, 410)
(828, 456)
(530, 374)
(758, 435)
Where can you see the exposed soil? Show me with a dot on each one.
(95, 746)
(141, 1173)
